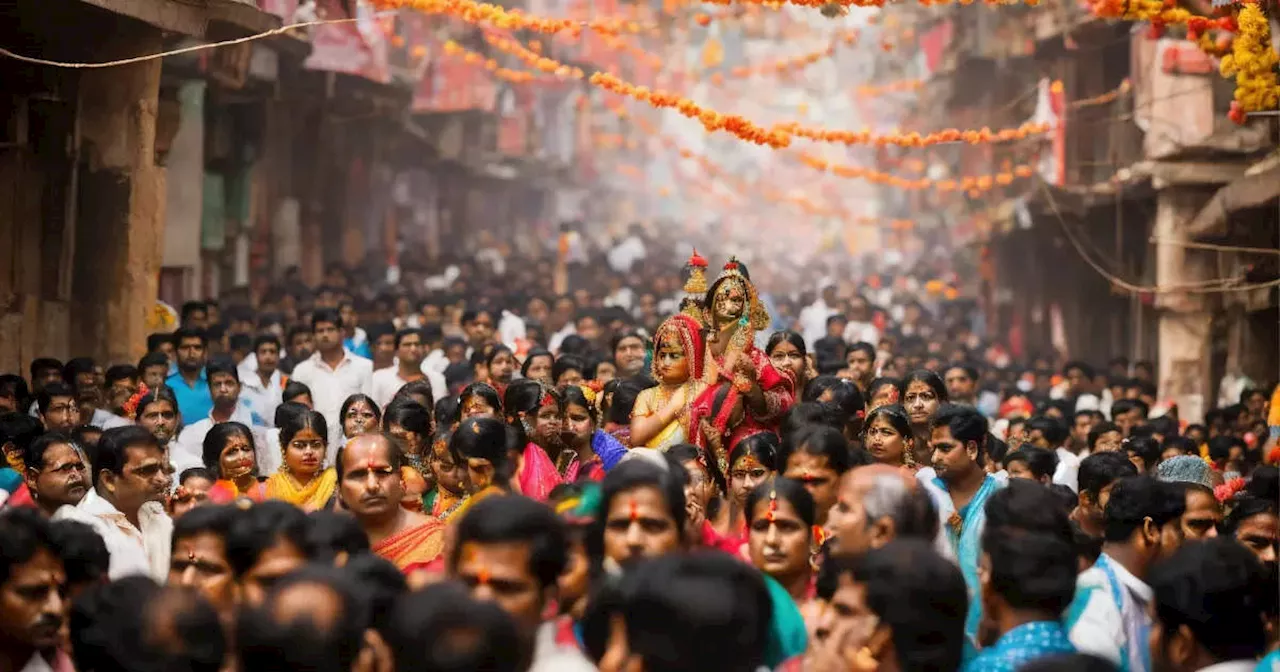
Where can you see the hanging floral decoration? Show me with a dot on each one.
(710, 119)
(452, 48)
(915, 139)
(972, 185)
(532, 57)
(1252, 62)
(514, 19)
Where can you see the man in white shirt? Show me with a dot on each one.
(559, 322)
(228, 406)
(627, 252)
(124, 507)
(813, 318)
(433, 343)
(1110, 616)
(511, 328)
(408, 368)
(860, 327)
(332, 372)
(261, 382)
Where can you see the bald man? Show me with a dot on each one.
(371, 485)
(876, 504)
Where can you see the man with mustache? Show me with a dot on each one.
(371, 487)
(56, 473)
(32, 589)
(228, 406)
(130, 479)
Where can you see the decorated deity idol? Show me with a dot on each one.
(732, 312)
(665, 415)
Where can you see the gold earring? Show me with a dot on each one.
(284, 464)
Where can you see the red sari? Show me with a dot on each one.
(415, 549)
(538, 474)
(779, 396)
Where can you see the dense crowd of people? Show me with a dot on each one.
(641, 462)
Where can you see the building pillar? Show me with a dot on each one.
(184, 194)
(1185, 321)
(120, 200)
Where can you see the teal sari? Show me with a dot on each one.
(966, 540)
(787, 634)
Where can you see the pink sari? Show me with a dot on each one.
(538, 474)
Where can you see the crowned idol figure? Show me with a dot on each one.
(755, 394)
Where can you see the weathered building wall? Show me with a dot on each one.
(184, 168)
(121, 199)
(37, 124)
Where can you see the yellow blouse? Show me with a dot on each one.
(312, 497)
(648, 403)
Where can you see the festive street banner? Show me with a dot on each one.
(358, 48)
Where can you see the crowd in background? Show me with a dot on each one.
(461, 470)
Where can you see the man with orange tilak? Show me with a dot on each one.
(511, 550)
(371, 487)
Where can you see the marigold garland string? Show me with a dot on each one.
(710, 119)
(452, 48)
(915, 139)
(970, 185)
(531, 57)
(514, 19)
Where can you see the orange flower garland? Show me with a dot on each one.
(914, 139)
(892, 87)
(513, 19)
(971, 185)
(711, 120)
(532, 58)
(794, 63)
(452, 48)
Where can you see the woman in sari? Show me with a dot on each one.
(780, 537)
(449, 475)
(889, 439)
(664, 415)
(752, 461)
(409, 423)
(922, 392)
(533, 412)
(228, 452)
(590, 451)
(303, 480)
(787, 351)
